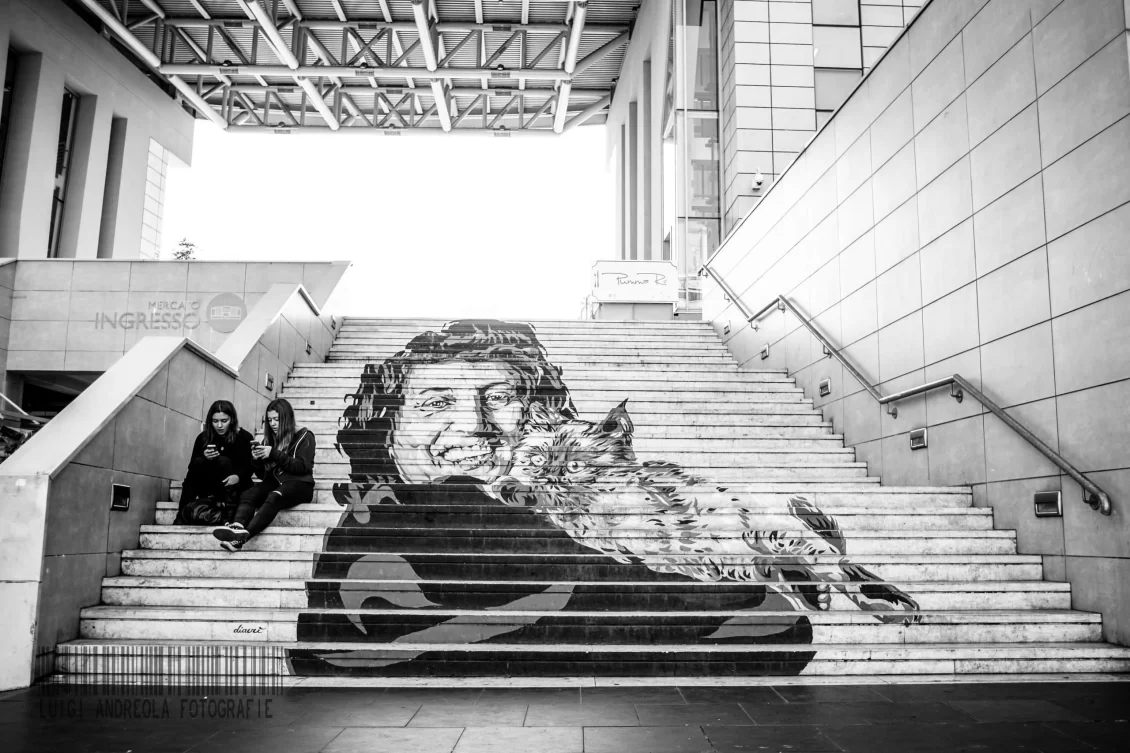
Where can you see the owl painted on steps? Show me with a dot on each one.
(586, 479)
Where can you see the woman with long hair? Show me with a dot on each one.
(219, 470)
(285, 462)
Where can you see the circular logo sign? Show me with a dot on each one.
(225, 312)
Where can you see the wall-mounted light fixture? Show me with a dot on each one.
(825, 387)
(269, 382)
(918, 439)
(1048, 504)
(764, 351)
(119, 497)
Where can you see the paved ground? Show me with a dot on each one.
(997, 718)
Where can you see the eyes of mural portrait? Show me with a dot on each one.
(575, 466)
(498, 399)
(537, 460)
(436, 403)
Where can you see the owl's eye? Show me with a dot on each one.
(537, 460)
(575, 466)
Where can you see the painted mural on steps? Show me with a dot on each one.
(467, 451)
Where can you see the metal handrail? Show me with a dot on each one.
(1095, 497)
(26, 415)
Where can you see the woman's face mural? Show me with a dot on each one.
(459, 418)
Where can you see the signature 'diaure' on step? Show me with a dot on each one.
(253, 630)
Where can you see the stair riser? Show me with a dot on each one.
(587, 361)
(824, 664)
(642, 399)
(787, 428)
(674, 447)
(281, 541)
(718, 474)
(642, 413)
(297, 598)
(553, 335)
(821, 500)
(568, 353)
(239, 567)
(629, 633)
(686, 459)
(597, 387)
(720, 522)
(563, 349)
(595, 378)
(778, 414)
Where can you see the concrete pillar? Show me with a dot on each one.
(622, 195)
(87, 181)
(644, 143)
(633, 235)
(124, 196)
(29, 158)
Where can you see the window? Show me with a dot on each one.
(832, 88)
(152, 218)
(837, 47)
(701, 76)
(65, 146)
(835, 12)
(6, 107)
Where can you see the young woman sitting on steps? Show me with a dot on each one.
(285, 462)
(219, 471)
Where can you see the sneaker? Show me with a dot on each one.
(232, 536)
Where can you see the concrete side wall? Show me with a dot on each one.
(83, 315)
(967, 210)
(59, 50)
(64, 520)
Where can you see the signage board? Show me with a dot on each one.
(628, 281)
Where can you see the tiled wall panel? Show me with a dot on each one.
(83, 315)
(993, 142)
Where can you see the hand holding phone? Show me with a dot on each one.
(210, 452)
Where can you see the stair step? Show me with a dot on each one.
(722, 475)
(634, 396)
(295, 593)
(540, 628)
(822, 494)
(604, 373)
(645, 445)
(641, 410)
(780, 413)
(187, 658)
(573, 361)
(766, 427)
(597, 383)
(544, 541)
(327, 457)
(723, 518)
(215, 562)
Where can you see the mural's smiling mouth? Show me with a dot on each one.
(468, 457)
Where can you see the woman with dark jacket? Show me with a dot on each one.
(285, 462)
(219, 470)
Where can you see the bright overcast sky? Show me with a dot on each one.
(441, 226)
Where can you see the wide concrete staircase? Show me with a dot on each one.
(449, 582)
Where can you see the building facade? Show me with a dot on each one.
(86, 137)
(715, 100)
